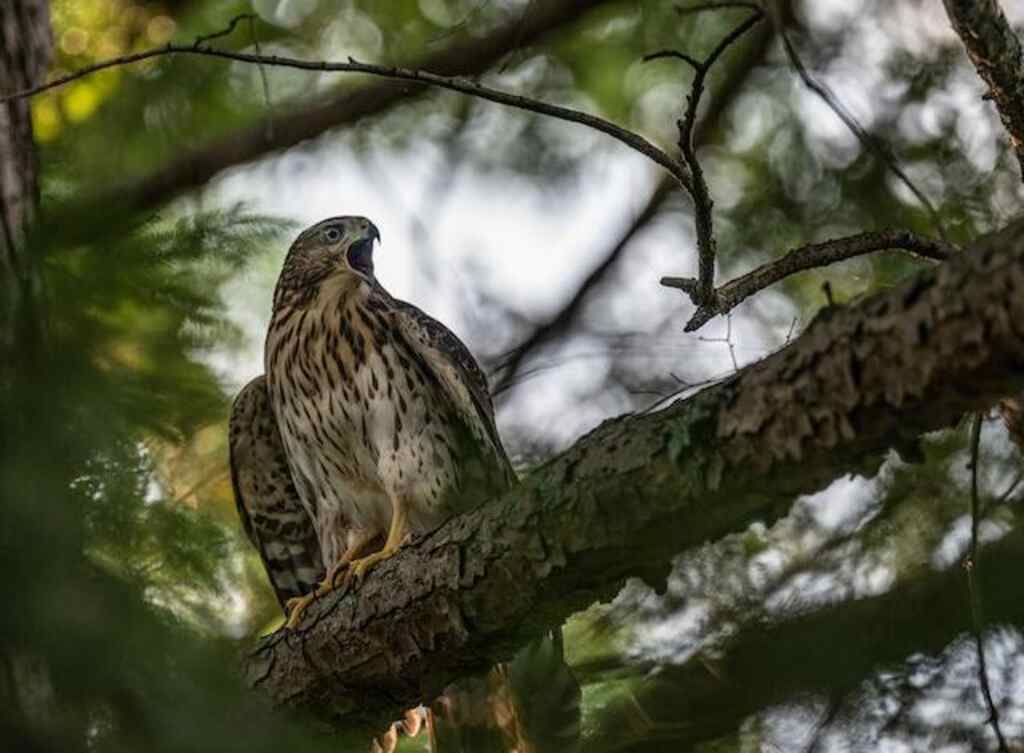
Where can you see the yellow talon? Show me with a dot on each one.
(359, 568)
(296, 606)
(330, 581)
(398, 534)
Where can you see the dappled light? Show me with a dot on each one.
(745, 285)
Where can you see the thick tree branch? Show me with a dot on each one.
(639, 489)
(734, 292)
(996, 52)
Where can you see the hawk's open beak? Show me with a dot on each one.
(360, 253)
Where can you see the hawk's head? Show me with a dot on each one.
(339, 247)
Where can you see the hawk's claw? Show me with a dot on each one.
(296, 606)
(330, 581)
(358, 568)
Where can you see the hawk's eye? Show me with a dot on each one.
(332, 235)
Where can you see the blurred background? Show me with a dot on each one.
(170, 191)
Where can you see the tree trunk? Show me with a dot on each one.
(28, 718)
(639, 489)
(24, 59)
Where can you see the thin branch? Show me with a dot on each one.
(971, 566)
(727, 340)
(997, 55)
(1003, 498)
(703, 203)
(263, 79)
(727, 91)
(511, 363)
(693, 62)
(623, 135)
(202, 38)
(193, 167)
(868, 141)
(687, 10)
(730, 295)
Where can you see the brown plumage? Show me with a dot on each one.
(386, 424)
(384, 414)
(268, 504)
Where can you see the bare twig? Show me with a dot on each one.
(997, 55)
(510, 364)
(203, 38)
(701, 7)
(971, 566)
(870, 142)
(627, 137)
(735, 291)
(703, 203)
(726, 94)
(727, 340)
(711, 301)
(193, 167)
(263, 78)
(792, 327)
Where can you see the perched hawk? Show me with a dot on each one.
(385, 417)
(386, 426)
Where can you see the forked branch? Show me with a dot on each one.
(703, 203)
(734, 292)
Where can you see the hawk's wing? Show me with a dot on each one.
(270, 508)
(458, 372)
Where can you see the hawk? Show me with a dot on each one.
(385, 416)
(268, 505)
(384, 423)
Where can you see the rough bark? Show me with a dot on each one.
(24, 58)
(772, 662)
(996, 53)
(639, 489)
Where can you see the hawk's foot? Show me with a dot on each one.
(295, 607)
(330, 581)
(358, 568)
(398, 534)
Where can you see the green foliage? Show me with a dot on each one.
(111, 580)
(125, 570)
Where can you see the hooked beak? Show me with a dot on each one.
(360, 253)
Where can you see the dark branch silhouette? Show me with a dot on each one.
(413, 75)
(734, 292)
(194, 168)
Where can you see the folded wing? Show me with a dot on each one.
(268, 504)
